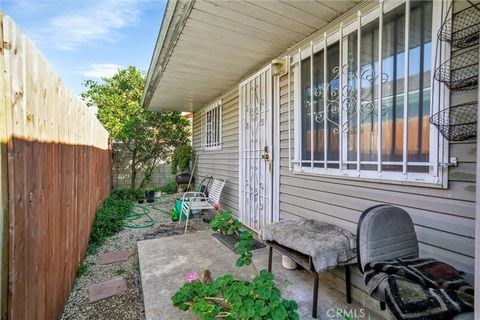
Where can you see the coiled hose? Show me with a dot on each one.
(141, 211)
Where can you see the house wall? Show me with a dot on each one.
(444, 217)
(221, 163)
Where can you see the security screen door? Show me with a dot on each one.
(255, 145)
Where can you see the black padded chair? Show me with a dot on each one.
(387, 232)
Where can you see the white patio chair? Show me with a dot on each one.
(199, 201)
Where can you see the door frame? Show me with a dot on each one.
(275, 141)
(477, 223)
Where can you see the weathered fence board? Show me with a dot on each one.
(59, 171)
(3, 189)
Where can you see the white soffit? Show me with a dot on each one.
(221, 42)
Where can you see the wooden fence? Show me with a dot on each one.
(59, 171)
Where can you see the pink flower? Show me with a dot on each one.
(216, 206)
(192, 276)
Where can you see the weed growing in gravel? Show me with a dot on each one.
(120, 271)
(136, 264)
(83, 270)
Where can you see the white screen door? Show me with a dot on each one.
(255, 148)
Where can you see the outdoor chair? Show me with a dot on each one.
(198, 201)
(386, 232)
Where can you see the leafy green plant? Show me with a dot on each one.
(168, 188)
(108, 221)
(181, 158)
(150, 137)
(227, 225)
(128, 194)
(83, 270)
(230, 298)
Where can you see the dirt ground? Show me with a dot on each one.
(129, 304)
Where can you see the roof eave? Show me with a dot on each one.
(174, 19)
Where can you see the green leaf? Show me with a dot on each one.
(243, 290)
(231, 231)
(264, 292)
(279, 313)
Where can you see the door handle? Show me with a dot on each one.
(265, 154)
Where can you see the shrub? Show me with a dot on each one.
(181, 158)
(128, 194)
(168, 188)
(108, 221)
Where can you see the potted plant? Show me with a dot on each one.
(157, 192)
(181, 157)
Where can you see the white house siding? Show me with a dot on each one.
(444, 218)
(222, 163)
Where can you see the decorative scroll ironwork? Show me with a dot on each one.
(345, 99)
(254, 121)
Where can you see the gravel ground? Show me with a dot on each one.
(129, 304)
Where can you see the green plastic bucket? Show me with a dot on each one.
(178, 206)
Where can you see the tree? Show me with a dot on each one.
(149, 136)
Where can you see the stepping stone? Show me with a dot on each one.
(106, 289)
(115, 256)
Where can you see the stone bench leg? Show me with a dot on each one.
(315, 294)
(348, 288)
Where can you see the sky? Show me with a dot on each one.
(89, 39)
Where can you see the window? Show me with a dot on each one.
(212, 126)
(364, 104)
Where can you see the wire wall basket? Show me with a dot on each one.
(458, 123)
(460, 73)
(462, 29)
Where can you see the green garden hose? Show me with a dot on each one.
(135, 214)
(139, 211)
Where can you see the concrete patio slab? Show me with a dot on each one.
(164, 262)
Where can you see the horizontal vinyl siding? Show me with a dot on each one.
(221, 163)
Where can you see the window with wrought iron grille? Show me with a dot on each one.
(364, 96)
(212, 126)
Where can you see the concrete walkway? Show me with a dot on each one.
(164, 262)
